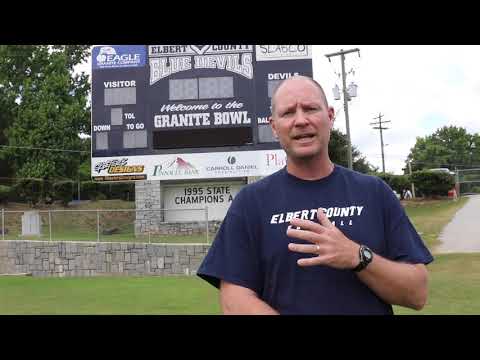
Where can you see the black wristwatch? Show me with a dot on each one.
(366, 256)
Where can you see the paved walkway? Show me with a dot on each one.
(462, 234)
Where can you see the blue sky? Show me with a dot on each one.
(419, 88)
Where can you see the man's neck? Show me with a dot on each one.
(309, 169)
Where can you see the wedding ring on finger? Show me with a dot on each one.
(317, 247)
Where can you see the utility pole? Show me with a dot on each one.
(346, 97)
(410, 169)
(379, 123)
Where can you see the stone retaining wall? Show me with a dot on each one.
(41, 258)
(186, 228)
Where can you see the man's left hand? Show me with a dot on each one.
(330, 245)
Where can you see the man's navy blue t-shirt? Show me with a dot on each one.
(251, 247)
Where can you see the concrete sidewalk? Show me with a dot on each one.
(462, 234)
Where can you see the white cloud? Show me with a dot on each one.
(417, 88)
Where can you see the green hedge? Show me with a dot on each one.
(5, 193)
(124, 191)
(396, 182)
(30, 190)
(88, 190)
(64, 191)
(35, 191)
(431, 183)
(92, 190)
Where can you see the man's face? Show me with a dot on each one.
(301, 120)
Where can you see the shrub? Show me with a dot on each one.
(88, 190)
(4, 193)
(30, 190)
(396, 182)
(100, 196)
(91, 190)
(63, 191)
(123, 191)
(430, 183)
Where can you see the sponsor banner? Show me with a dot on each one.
(118, 56)
(166, 60)
(118, 169)
(216, 165)
(283, 52)
(193, 165)
(120, 178)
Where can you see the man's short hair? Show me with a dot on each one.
(324, 97)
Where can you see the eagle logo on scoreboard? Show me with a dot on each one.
(104, 51)
(107, 57)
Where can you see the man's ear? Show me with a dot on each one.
(331, 116)
(272, 124)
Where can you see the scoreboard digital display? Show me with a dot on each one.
(188, 111)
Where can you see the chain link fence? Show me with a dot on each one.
(468, 181)
(112, 225)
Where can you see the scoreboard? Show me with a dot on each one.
(164, 112)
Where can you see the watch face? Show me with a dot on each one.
(367, 254)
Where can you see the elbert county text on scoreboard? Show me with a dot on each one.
(164, 112)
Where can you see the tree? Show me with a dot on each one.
(448, 147)
(5, 120)
(5, 167)
(337, 149)
(84, 170)
(46, 107)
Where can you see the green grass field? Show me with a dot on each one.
(107, 295)
(454, 284)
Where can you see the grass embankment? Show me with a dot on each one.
(74, 223)
(429, 217)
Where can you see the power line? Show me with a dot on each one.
(46, 149)
(379, 117)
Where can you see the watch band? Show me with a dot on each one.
(364, 261)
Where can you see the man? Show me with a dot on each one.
(407, 194)
(314, 237)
